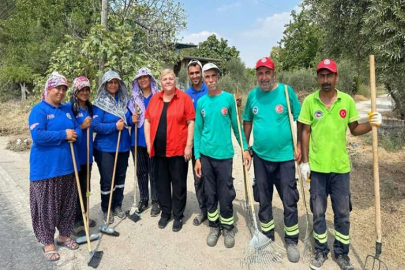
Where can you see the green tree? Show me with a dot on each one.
(300, 43)
(384, 25)
(217, 48)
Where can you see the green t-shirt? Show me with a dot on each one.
(272, 139)
(327, 146)
(212, 133)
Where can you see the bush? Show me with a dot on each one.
(300, 79)
(237, 77)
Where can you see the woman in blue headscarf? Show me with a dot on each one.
(143, 87)
(111, 115)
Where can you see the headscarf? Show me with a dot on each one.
(107, 102)
(137, 94)
(54, 80)
(78, 84)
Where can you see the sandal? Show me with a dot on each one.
(51, 255)
(70, 244)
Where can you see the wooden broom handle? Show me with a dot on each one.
(79, 193)
(88, 176)
(375, 154)
(294, 136)
(113, 177)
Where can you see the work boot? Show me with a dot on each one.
(119, 213)
(142, 205)
(199, 219)
(317, 260)
(292, 253)
(344, 262)
(111, 220)
(155, 209)
(213, 236)
(229, 238)
(177, 225)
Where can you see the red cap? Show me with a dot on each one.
(265, 62)
(327, 64)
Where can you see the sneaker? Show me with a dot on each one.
(78, 230)
(142, 206)
(111, 219)
(317, 260)
(81, 223)
(292, 253)
(229, 238)
(344, 262)
(213, 236)
(119, 213)
(199, 219)
(163, 222)
(155, 209)
(177, 225)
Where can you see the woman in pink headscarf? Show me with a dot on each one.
(52, 181)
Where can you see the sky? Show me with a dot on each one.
(252, 26)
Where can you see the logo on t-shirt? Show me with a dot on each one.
(224, 111)
(343, 113)
(79, 115)
(279, 108)
(255, 110)
(318, 114)
(50, 116)
(68, 115)
(203, 113)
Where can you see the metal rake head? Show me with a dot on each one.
(373, 262)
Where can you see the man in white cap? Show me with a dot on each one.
(273, 153)
(325, 116)
(215, 118)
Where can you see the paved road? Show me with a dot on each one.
(19, 250)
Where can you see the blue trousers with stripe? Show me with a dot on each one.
(281, 175)
(218, 187)
(337, 185)
(105, 164)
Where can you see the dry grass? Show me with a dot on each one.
(14, 118)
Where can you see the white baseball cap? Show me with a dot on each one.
(209, 66)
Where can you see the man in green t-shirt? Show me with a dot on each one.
(325, 116)
(213, 150)
(273, 153)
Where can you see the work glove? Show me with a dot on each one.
(375, 118)
(305, 171)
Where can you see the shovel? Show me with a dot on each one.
(133, 213)
(104, 228)
(94, 256)
(374, 261)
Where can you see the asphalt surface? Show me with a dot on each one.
(19, 250)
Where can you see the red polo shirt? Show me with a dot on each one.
(179, 111)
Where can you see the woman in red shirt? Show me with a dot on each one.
(169, 126)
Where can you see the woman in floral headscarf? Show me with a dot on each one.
(111, 115)
(143, 87)
(83, 112)
(53, 188)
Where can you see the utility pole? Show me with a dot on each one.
(104, 17)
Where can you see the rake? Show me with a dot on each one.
(307, 250)
(374, 261)
(261, 250)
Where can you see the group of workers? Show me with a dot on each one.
(170, 127)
